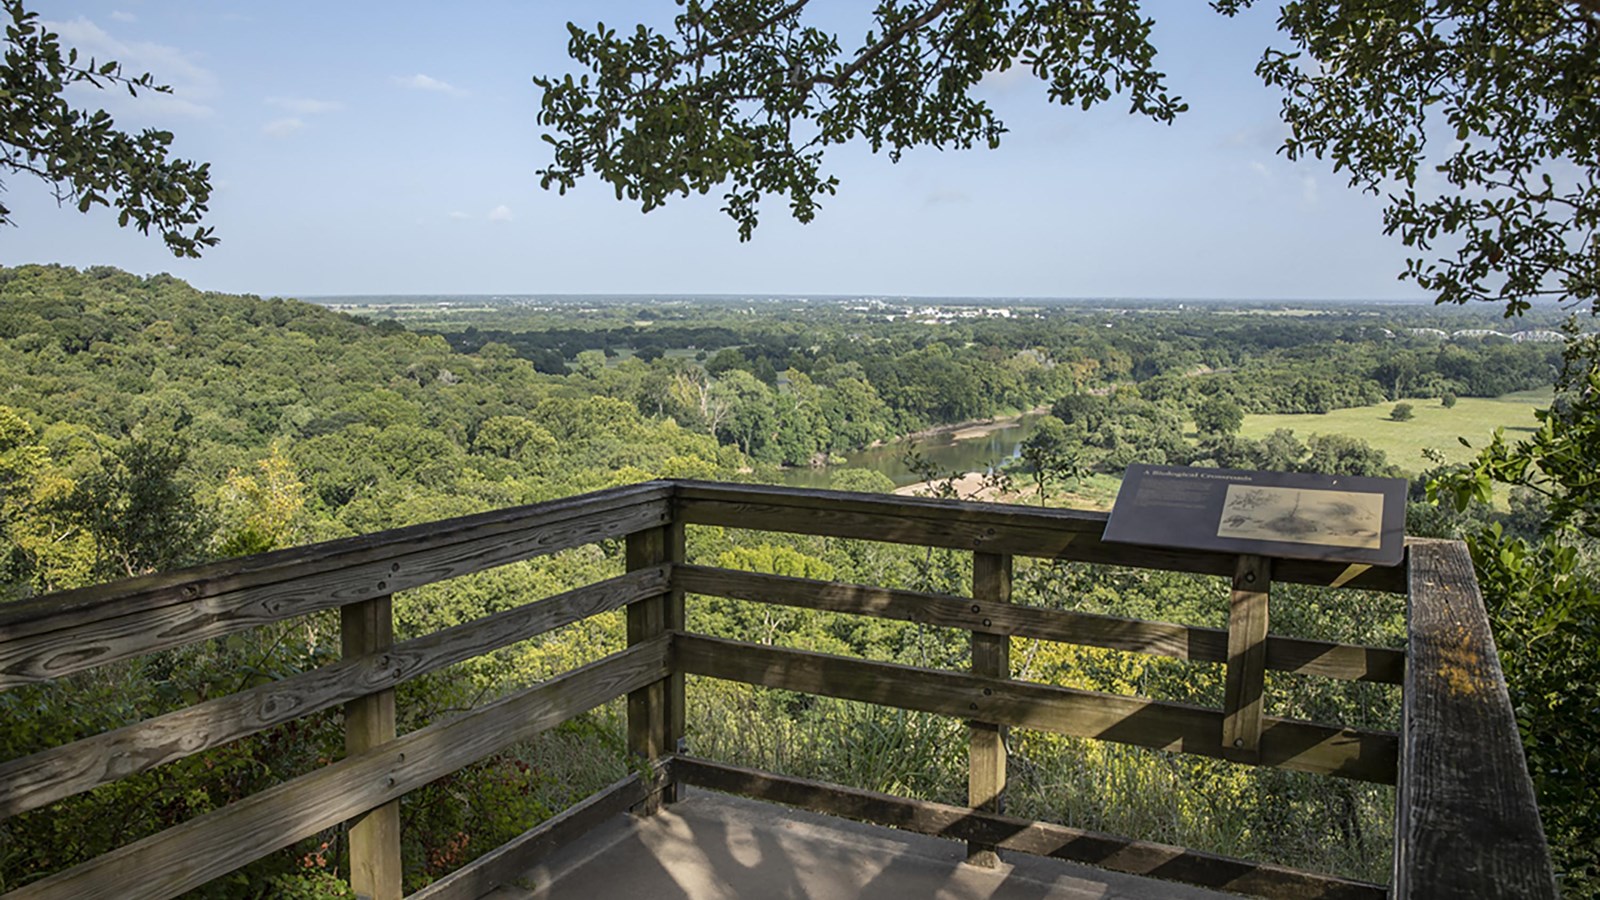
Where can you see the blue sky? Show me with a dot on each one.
(364, 148)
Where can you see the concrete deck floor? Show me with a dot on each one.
(713, 846)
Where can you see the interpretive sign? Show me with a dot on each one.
(1338, 518)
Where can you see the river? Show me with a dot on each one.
(956, 450)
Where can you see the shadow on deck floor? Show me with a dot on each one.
(713, 846)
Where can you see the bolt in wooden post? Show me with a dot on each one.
(1247, 659)
(655, 711)
(986, 745)
(367, 628)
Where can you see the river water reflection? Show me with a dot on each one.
(944, 451)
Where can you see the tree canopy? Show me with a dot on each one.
(81, 153)
(745, 93)
(1476, 118)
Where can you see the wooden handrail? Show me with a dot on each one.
(1356, 753)
(1064, 534)
(1191, 642)
(189, 855)
(50, 775)
(59, 634)
(1466, 820)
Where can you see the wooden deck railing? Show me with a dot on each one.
(1466, 822)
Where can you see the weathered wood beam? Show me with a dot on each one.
(1325, 749)
(367, 628)
(63, 633)
(1466, 820)
(648, 717)
(189, 855)
(50, 775)
(1244, 690)
(1189, 642)
(1039, 838)
(675, 619)
(987, 527)
(986, 743)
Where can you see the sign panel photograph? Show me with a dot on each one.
(1291, 515)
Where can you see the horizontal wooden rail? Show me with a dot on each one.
(1189, 642)
(50, 775)
(1466, 819)
(64, 633)
(189, 855)
(1347, 752)
(1039, 838)
(989, 527)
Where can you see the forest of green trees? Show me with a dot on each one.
(147, 425)
(803, 382)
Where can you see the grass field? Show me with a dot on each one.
(1434, 426)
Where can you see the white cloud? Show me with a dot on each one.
(421, 82)
(948, 195)
(304, 106)
(121, 16)
(193, 85)
(1260, 169)
(1002, 82)
(458, 215)
(501, 213)
(1308, 190)
(282, 128)
(1267, 135)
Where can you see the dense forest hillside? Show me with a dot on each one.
(145, 425)
(164, 424)
(148, 424)
(795, 381)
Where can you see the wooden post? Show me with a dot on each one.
(655, 711)
(1466, 817)
(1247, 659)
(674, 619)
(986, 746)
(366, 628)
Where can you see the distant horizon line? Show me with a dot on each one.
(847, 297)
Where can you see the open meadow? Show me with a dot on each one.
(1474, 418)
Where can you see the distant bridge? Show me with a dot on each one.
(1533, 336)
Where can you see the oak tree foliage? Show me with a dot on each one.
(81, 153)
(1477, 119)
(745, 95)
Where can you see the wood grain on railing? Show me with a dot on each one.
(1189, 642)
(1243, 699)
(987, 527)
(1286, 743)
(50, 775)
(366, 629)
(189, 855)
(648, 717)
(986, 742)
(127, 619)
(1466, 821)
